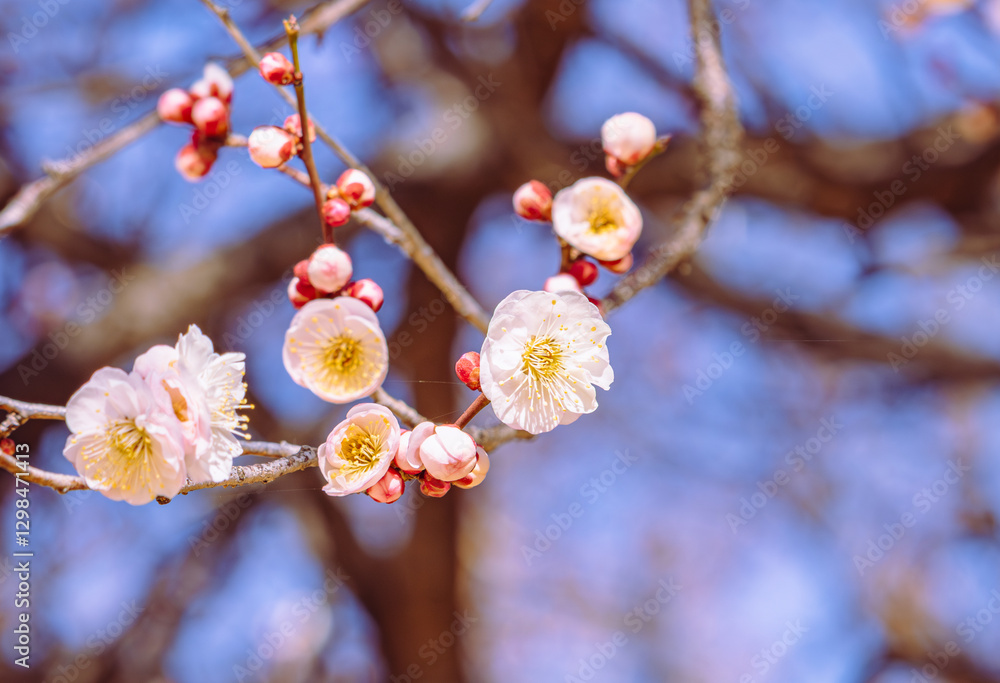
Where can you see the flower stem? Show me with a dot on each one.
(473, 410)
(658, 149)
(292, 29)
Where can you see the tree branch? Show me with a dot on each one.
(720, 139)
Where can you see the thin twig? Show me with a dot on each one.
(475, 10)
(477, 405)
(292, 29)
(720, 139)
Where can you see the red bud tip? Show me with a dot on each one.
(533, 201)
(275, 68)
(367, 291)
(174, 106)
(211, 117)
(584, 271)
(336, 212)
(467, 369)
(622, 265)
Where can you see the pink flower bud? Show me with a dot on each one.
(295, 296)
(628, 137)
(174, 106)
(408, 455)
(330, 268)
(435, 488)
(622, 265)
(211, 117)
(467, 369)
(478, 473)
(366, 290)
(533, 201)
(215, 82)
(389, 488)
(276, 69)
(7, 446)
(304, 288)
(449, 453)
(195, 161)
(301, 269)
(563, 282)
(336, 211)
(584, 271)
(270, 146)
(356, 188)
(293, 124)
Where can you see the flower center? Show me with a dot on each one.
(603, 213)
(543, 359)
(128, 442)
(360, 451)
(342, 354)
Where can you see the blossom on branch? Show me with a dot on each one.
(126, 441)
(358, 452)
(628, 137)
(595, 216)
(542, 356)
(336, 349)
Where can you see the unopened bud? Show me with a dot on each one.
(389, 488)
(293, 124)
(563, 282)
(615, 167)
(408, 455)
(448, 454)
(478, 473)
(356, 188)
(533, 201)
(174, 106)
(304, 288)
(367, 291)
(435, 488)
(301, 269)
(584, 271)
(628, 137)
(270, 146)
(622, 265)
(467, 369)
(7, 446)
(330, 268)
(336, 211)
(195, 161)
(211, 117)
(275, 68)
(297, 298)
(216, 82)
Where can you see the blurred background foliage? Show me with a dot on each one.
(792, 478)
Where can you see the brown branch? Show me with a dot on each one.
(720, 139)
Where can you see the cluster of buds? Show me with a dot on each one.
(594, 217)
(206, 106)
(439, 457)
(353, 191)
(628, 140)
(327, 274)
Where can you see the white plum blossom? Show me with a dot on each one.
(628, 137)
(595, 216)
(125, 440)
(544, 352)
(330, 268)
(206, 391)
(336, 349)
(478, 473)
(359, 451)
